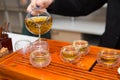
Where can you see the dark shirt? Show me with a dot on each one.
(75, 7)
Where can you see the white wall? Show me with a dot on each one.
(91, 24)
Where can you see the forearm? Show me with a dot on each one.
(75, 7)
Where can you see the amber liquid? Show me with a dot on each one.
(38, 25)
(69, 57)
(109, 60)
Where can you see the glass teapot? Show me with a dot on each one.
(38, 22)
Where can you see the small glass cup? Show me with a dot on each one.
(24, 45)
(69, 53)
(108, 57)
(40, 56)
(82, 46)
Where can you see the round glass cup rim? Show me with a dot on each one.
(80, 45)
(23, 40)
(40, 42)
(81, 41)
(68, 46)
(108, 51)
(42, 51)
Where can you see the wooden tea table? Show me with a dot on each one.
(14, 67)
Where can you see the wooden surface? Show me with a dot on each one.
(18, 68)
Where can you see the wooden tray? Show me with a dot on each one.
(17, 67)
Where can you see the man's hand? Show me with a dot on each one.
(43, 4)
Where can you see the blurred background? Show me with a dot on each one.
(64, 28)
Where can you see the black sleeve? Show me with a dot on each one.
(75, 7)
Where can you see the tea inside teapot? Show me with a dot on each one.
(38, 23)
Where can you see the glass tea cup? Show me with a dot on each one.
(108, 57)
(69, 53)
(82, 46)
(40, 56)
(24, 45)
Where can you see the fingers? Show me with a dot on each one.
(43, 4)
(31, 6)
